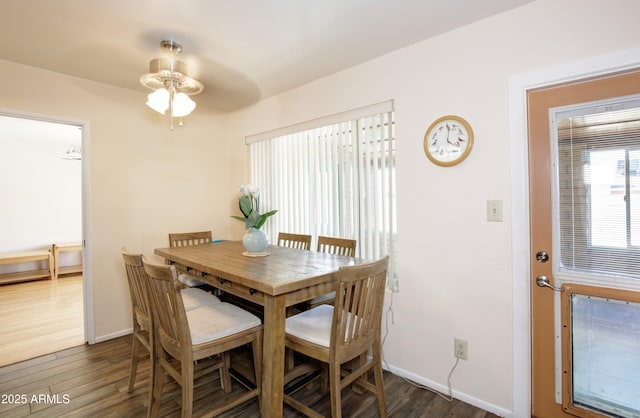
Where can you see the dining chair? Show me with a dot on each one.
(142, 319)
(331, 245)
(339, 246)
(344, 333)
(141, 308)
(299, 241)
(187, 336)
(187, 239)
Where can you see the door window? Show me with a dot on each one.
(601, 365)
(597, 149)
(596, 235)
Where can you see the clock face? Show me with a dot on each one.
(448, 140)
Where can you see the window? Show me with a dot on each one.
(335, 179)
(613, 192)
(598, 194)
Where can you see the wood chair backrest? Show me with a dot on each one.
(357, 315)
(138, 287)
(166, 301)
(339, 246)
(299, 241)
(186, 239)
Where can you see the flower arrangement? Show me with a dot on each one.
(249, 203)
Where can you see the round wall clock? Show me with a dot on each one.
(448, 140)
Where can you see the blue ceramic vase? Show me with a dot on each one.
(255, 241)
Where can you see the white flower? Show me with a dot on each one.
(254, 190)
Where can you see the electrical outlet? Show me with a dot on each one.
(461, 349)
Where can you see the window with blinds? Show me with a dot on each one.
(334, 177)
(597, 149)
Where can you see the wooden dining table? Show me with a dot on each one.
(282, 277)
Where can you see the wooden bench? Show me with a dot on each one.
(59, 248)
(25, 257)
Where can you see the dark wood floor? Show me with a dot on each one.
(91, 381)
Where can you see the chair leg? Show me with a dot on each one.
(324, 378)
(225, 377)
(187, 389)
(256, 348)
(152, 379)
(135, 353)
(288, 363)
(355, 363)
(152, 373)
(377, 373)
(334, 383)
(156, 396)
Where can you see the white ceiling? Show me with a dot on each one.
(242, 50)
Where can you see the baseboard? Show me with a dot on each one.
(113, 335)
(445, 391)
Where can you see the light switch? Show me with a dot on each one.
(494, 210)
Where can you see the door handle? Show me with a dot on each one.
(543, 281)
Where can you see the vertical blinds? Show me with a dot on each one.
(598, 189)
(336, 180)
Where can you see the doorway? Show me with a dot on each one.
(583, 148)
(519, 85)
(42, 187)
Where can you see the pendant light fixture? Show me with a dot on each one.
(172, 85)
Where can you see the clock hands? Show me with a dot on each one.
(453, 137)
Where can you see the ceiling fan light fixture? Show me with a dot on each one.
(172, 85)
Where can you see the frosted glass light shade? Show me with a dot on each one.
(159, 100)
(182, 105)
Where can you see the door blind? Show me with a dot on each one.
(598, 189)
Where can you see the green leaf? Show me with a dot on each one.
(245, 206)
(253, 219)
(263, 218)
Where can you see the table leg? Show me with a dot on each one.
(273, 356)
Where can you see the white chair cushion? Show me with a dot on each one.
(313, 325)
(189, 280)
(212, 322)
(193, 298)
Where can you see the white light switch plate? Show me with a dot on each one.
(494, 210)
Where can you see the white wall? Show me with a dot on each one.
(144, 180)
(40, 191)
(455, 267)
